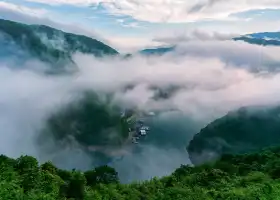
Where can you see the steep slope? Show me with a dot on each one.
(90, 122)
(71, 43)
(245, 130)
(49, 44)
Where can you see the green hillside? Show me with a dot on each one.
(49, 44)
(90, 120)
(245, 130)
(243, 177)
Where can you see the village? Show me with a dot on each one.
(137, 129)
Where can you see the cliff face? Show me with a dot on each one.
(242, 131)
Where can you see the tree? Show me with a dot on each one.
(48, 166)
(104, 175)
(64, 175)
(28, 169)
(76, 186)
(5, 160)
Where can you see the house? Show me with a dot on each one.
(143, 132)
(146, 128)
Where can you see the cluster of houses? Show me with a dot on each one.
(139, 131)
(137, 128)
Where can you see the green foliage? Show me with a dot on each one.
(4, 160)
(104, 175)
(29, 38)
(243, 131)
(245, 177)
(91, 121)
(48, 166)
(28, 169)
(75, 188)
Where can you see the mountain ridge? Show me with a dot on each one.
(241, 131)
(30, 39)
(260, 38)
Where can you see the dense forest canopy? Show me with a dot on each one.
(248, 176)
(245, 130)
(51, 45)
(90, 121)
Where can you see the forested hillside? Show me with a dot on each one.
(49, 44)
(248, 176)
(90, 122)
(245, 130)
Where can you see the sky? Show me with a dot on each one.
(134, 24)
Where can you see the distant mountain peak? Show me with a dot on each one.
(158, 50)
(262, 38)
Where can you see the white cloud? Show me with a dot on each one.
(123, 23)
(27, 15)
(132, 44)
(41, 16)
(213, 68)
(127, 44)
(174, 38)
(23, 9)
(131, 25)
(212, 76)
(175, 10)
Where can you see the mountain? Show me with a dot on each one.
(263, 38)
(266, 35)
(245, 130)
(91, 122)
(157, 51)
(46, 43)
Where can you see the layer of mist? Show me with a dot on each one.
(211, 78)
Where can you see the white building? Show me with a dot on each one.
(143, 132)
(146, 128)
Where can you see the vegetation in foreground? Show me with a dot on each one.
(248, 176)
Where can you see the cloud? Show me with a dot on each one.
(124, 23)
(195, 35)
(27, 15)
(132, 44)
(22, 10)
(172, 11)
(140, 40)
(195, 67)
(210, 78)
